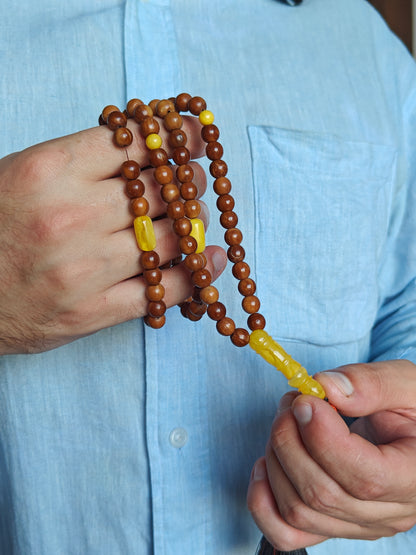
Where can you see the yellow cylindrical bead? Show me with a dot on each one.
(274, 354)
(153, 141)
(198, 233)
(206, 117)
(145, 233)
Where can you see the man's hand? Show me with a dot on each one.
(69, 262)
(320, 479)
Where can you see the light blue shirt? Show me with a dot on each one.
(135, 441)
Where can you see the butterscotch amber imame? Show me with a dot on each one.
(198, 233)
(145, 234)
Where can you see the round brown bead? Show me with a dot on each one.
(153, 277)
(156, 309)
(247, 286)
(139, 206)
(222, 185)
(135, 188)
(155, 323)
(142, 112)
(233, 236)
(201, 278)
(181, 155)
(240, 337)
(225, 203)
(182, 102)
(216, 311)
(192, 208)
(170, 193)
(195, 261)
(197, 309)
(177, 137)
(197, 105)
(108, 110)
(149, 260)
(123, 137)
(175, 210)
(172, 121)
(218, 168)
(130, 169)
(158, 157)
(189, 191)
(182, 227)
(193, 317)
(164, 107)
(210, 133)
(155, 292)
(163, 175)
(148, 126)
(236, 253)
(187, 244)
(251, 304)
(116, 120)
(229, 219)
(209, 294)
(256, 322)
(132, 105)
(153, 104)
(184, 173)
(225, 326)
(214, 150)
(196, 294)
(241, 270)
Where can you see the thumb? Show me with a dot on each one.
(363, 389)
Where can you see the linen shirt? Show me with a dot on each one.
(135, 441)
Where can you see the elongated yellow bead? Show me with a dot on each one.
(145, 233)
(206, 117)
(198, 233)
(273, 353)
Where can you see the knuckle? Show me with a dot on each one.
(372, 488)
(321, 498)
(295, 514)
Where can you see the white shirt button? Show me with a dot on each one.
(178, 437)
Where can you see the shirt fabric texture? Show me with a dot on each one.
(316, 108)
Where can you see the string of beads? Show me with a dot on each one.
(183, 208)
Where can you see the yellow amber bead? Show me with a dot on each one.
(153, 141)
(145, 234)
(198, 233)
(206, 117)
(273, 353)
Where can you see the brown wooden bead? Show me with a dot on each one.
(247, 286)
(225, 203)
(189, 191)
(216, 311)
(132, 105)
(148, 126)
(142, 112)
(182, 227)
(233, 236)
(108, 110)
(175, 210)
(209, 294)
(163, 175)
(184, 309)
(197, 309)
(201, 278)
(135, 188)
(153, 277)
(196, 105)
(256, 322)
(139, 206)
(170, 193)
(172, 120)
(210, 133)
(222, 185)
(184, 173)
(156, 309)
(164, 107)
(192, 208)
(218, 168)
(158, 157)
(153, 104)
(196, 294)
(149, 260)
(155, 292)
(177, 260)
(155, 323)
(182, 102)
(187, 244)
(241, 270)
(240, 337)
(251, 304)
(193, 317)
(236, 253)
(177, 137)
(101, 120)
(214, 150)
(123, 137)
(181, 155)
(195, 261)
(116, 120)
(225, 326)
(130, 169)
(229, 219)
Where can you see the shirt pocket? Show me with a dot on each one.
(322, 209)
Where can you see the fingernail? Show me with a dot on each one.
(341, 381)
(286, 402)
(259, 471)
(302, 412)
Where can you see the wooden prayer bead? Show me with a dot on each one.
(155, 292)
(195, 261)
(225, 326)
(236, 253)
(196, 105)
(130, 169)
(177, 138)
(156, 309)
(256, 321)
(229, 219)
(149, 260)
(170, 193)
(181, 155)
(241, 270)
(187, 244)
(210, 133)
(216, 311)
(214, 150)
(148, 126)
(192, 208)
(175, 210)
(222, 185)
(225, 203)
(142, 112)
(218, 168)
(163, 107)
(182, 227)
(201, 278)
(163, 175)
(184, 173)
(182, 102)
(173, 120)
(123, 137)
(139, 206)
(240, 337)
(158, 157)
(153, 277)
(197, 309)
(135, 188)
(247, 287)
(251, 304)
(108, 110)
(155, 323)
(116, 120)
(233, 236)
(209, 294)
(153, 104)
(188, 191)
(132, 105)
